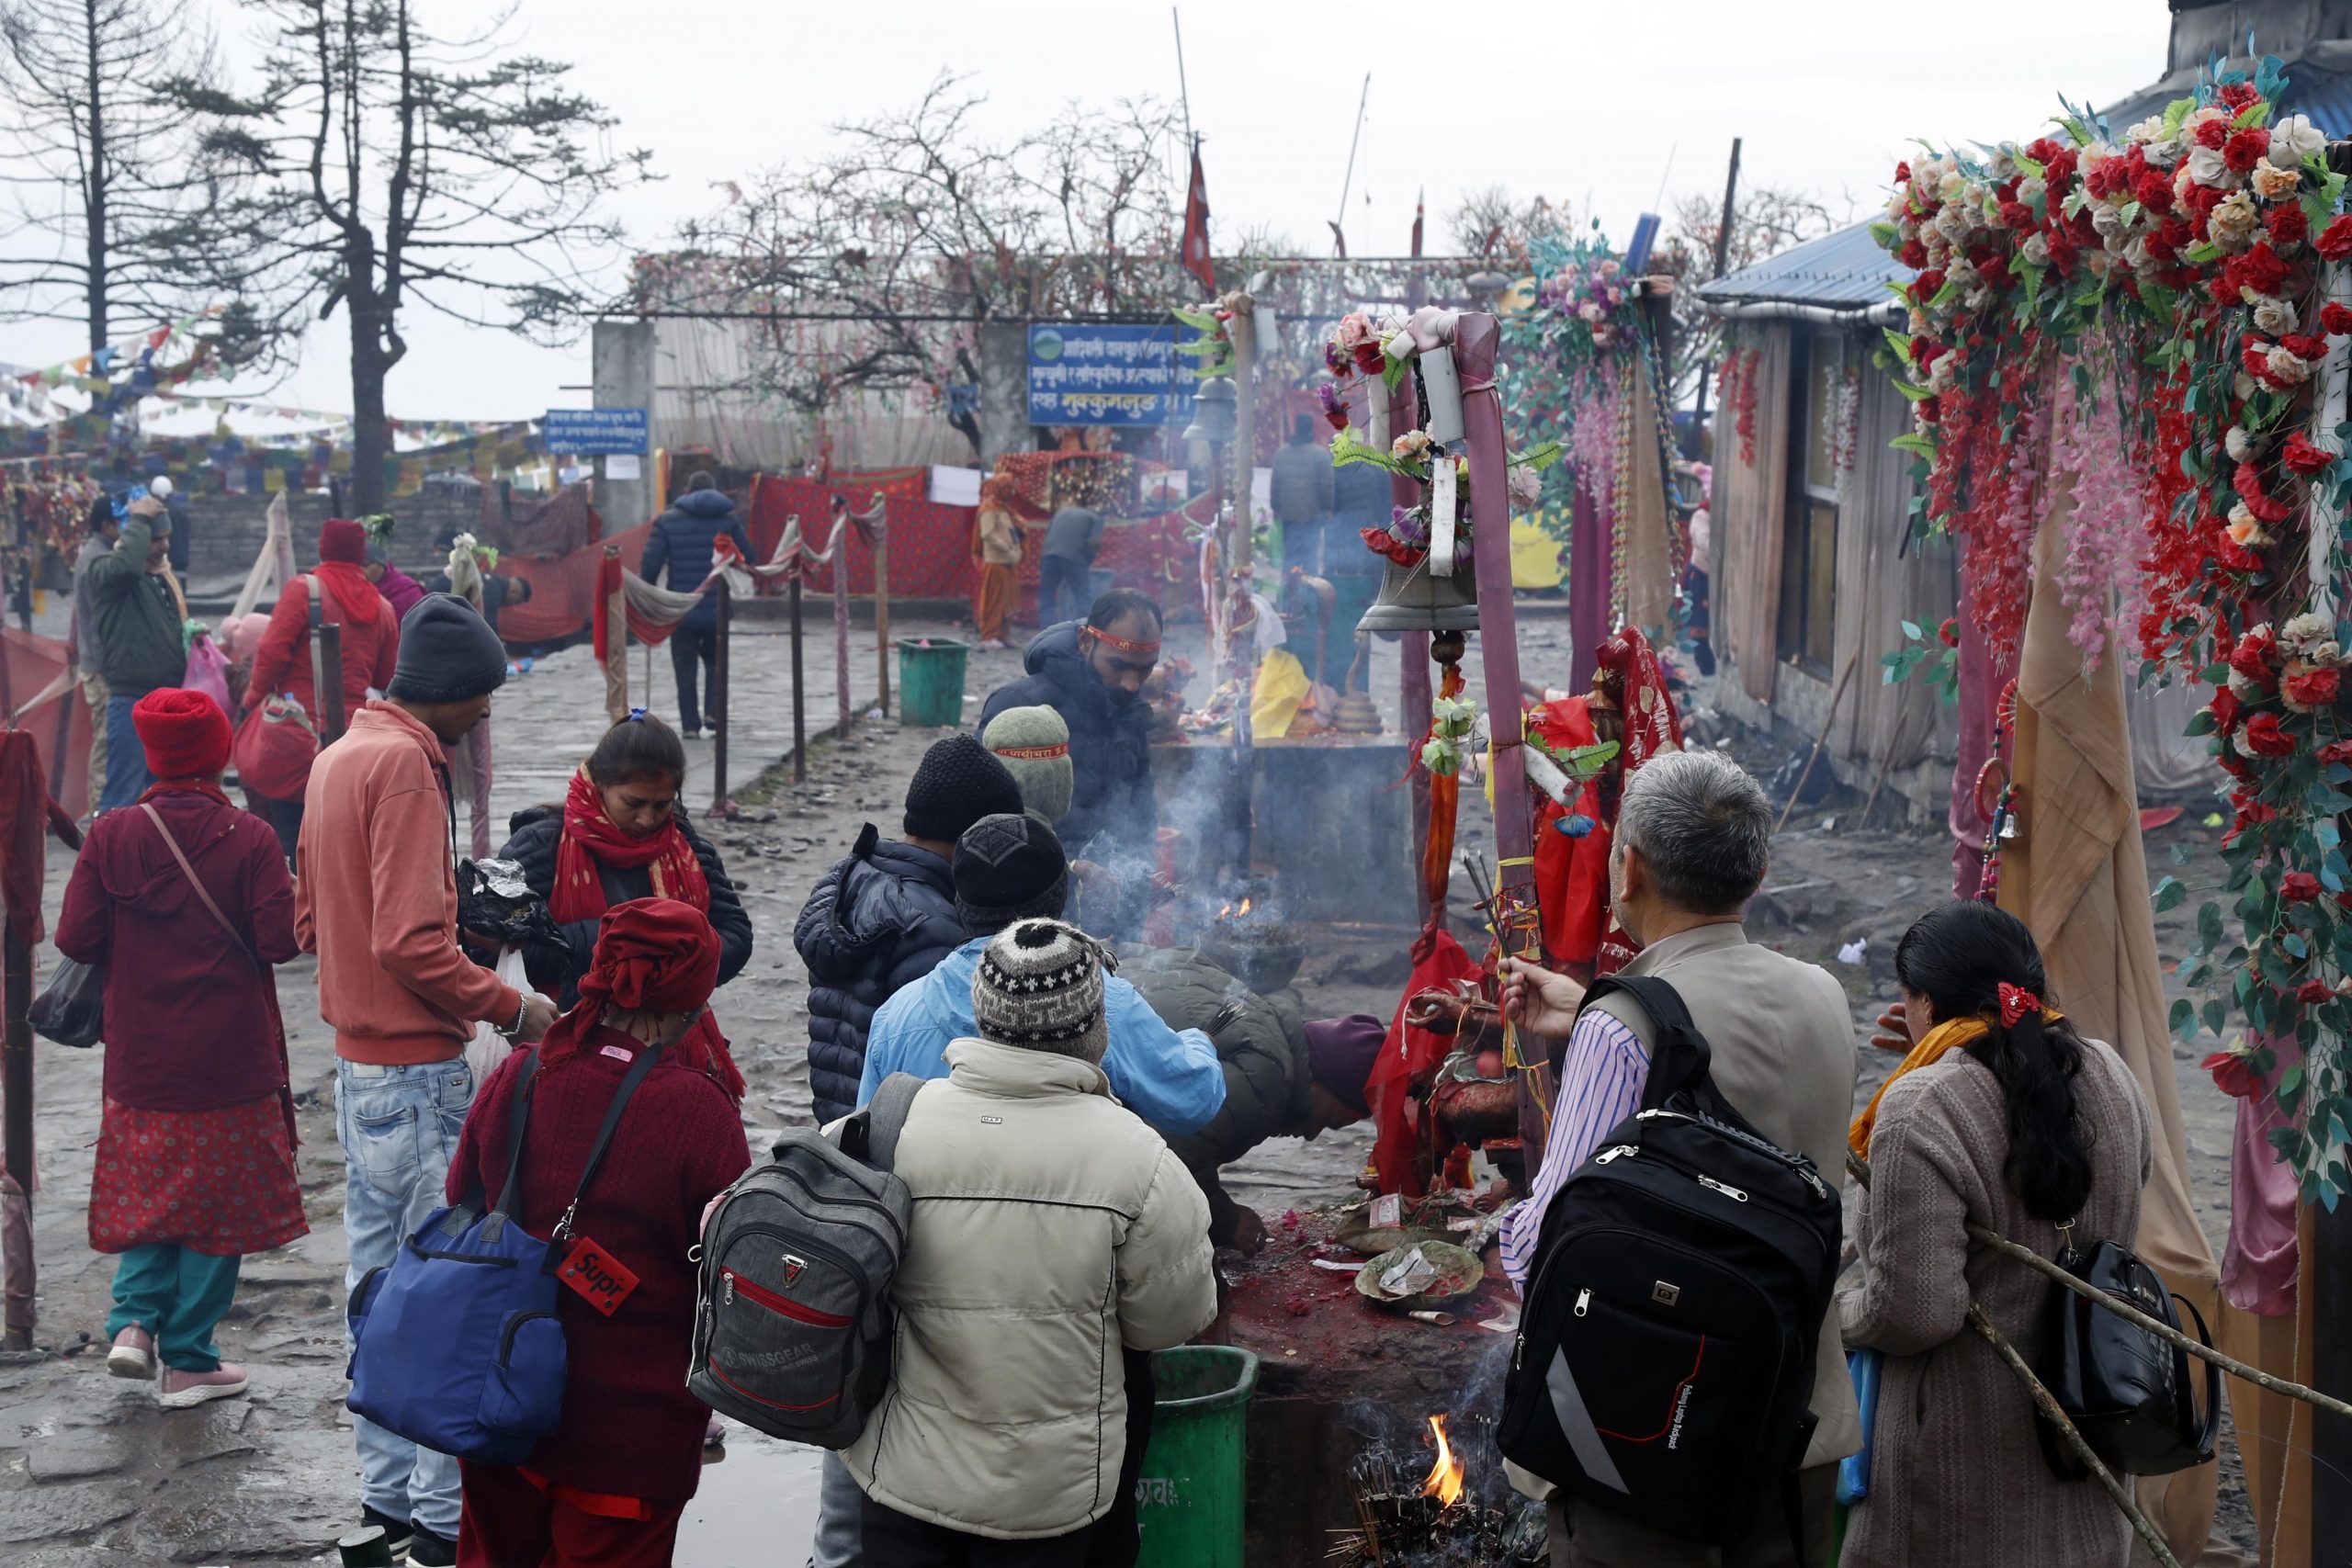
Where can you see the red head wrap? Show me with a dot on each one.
(341, 539)
(184, 733)
(652, 955)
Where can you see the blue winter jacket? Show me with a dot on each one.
(682, 539)
(1170, 1078)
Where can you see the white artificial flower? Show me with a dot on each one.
(2271, 314)
(2032, 187)
(2205, 116)
(2274, 184)
(2149, 130)
(2235, 441)
(2115, 244)
(1954, 223)
(2247, 692)
(2287, 368)
(1951, 185)
(2294, 139)
(2242, 386)
(2234, 221)
(2328, 655)
(2305, 629)
(2107, 221)
(2036, 249)
(2164, 155)
(2005, 164)
(2207, 167)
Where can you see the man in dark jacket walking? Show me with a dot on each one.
(681, 543)
(1094, 675)
(884, 916)
(139, 643)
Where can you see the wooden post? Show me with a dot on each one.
(15, 996)
(326, 677)
(800, 689)
(65, 706)
(841, 620)
(882, 602)
(1415, 697)
(2328, 1275)
(719, 713)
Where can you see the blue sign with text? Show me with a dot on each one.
(595, 430)
(1084, 373)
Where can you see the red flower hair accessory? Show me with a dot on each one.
(2016, 1002)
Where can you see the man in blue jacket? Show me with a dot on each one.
(1012, 868)
(681, 542)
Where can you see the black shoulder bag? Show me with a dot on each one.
(2127, 1391)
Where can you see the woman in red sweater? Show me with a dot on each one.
(609, 1486)
(371, 642)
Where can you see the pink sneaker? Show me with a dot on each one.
(133, 1355)
(183, 1391)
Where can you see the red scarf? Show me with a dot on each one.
(591, 839)
(702, 1048)
(348, 586)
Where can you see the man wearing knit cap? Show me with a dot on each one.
(1012, 868)
(1034, 745)
(886, 916)
(140, 646)
(1056, 1243)
(378, 902)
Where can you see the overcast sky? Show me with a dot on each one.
(1566, 98)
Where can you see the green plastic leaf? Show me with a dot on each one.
(1911, 629)
(2170, 894)
(2183, 1013)
(2212, 1012)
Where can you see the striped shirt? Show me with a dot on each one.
(1600, 1085)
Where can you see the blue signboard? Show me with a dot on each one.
(595, 430)
(1083, 373)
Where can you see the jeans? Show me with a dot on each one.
(838, 1505)
(1065, 590)
(397, 1127)
(692, 647)
(178, 1294)
(126, 775)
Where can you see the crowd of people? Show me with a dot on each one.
(1078, 1094)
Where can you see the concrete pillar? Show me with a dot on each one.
(1004, 392)
(621, 371)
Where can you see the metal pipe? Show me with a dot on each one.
(1885, 314)
(724, 599)
(326, 679)
(799, 694)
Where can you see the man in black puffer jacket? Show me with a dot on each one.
(682, 544)
(884, 917)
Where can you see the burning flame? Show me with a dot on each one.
(1445, 1482)
(1245, 908)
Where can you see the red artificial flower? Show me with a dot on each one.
(1381, 542)
(2313, 688)
(2336, 751)
(2305, 345)
(2253, 358)
(2225, 709)
(2299, 888)
(2252, 815)
(2265, 738)
(2245, 147)
(2251, 657)
(1924, 287)
(2302, 458)
(2212, 133)
(2260, 269)
(1931, 410)
(2239, 96)
(2258, 501)
(1903, 174)
(2060, 168)
(2153, 191)
(1369, 358)
(1925, 351)
(2335, 242)
(2287, 224)
(2334, 319)
(1993, 270)
(2016, 214)
(2064, 252)
(1914, 254)
(2232, 1076)
(1950, 631)
(2310, 993)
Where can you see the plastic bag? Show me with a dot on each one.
(488, 1047)
(208, 670)
(71, 1008)
(1854, 1469)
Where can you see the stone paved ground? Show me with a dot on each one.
(88, 1465)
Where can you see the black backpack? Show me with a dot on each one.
(2127, 1391)
(1666, 1352)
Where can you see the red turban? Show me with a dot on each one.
(652, 955)
(185, 733)
(342, 539)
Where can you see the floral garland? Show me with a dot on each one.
(2141, 317)
(1735, 393)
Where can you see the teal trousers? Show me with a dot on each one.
(178, 1295)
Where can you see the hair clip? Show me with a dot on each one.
(635, 715)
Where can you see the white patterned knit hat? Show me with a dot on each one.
(1039, 986)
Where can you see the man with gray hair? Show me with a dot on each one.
(1693, 836)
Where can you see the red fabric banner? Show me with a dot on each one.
(32, 662)
(563, 591)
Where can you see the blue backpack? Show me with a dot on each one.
(455, 1344)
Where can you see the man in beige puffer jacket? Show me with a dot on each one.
(1052, 1230)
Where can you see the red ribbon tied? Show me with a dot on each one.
(2016, 1002)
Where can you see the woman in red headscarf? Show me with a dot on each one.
(185, 900)
(1629, 704)
(608, 1485)
(340, 592)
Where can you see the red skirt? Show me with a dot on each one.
(219, 1181)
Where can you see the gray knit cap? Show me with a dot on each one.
(1034, 745)
(1039, 986)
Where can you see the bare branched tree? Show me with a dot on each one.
(1766, 221)
(1497, 228)
(408, 168)
(882, 257)
(109, 192)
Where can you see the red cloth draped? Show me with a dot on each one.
(352, 593)
(28, 663)
(592, 838)
(23, 817)
(563, 591)
(1408, 1056)
(1571, 874)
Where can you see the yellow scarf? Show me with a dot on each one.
(1939, 1041)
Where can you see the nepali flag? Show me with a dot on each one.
(1196, 227)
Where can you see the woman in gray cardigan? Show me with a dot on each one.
(2002, 1114)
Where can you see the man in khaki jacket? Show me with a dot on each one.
(1693, 833)
(1052, 1231)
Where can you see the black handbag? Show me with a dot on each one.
(2127, 1391)
(71, 1008)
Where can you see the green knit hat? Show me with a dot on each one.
(1033, 744)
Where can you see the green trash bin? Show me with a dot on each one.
(1189, 1498)
(931, 681)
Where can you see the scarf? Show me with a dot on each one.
(657, 955)
(187, 786)
(1938, 1043)
(591, 839)
(353, 594)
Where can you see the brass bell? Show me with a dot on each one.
(1416, 600)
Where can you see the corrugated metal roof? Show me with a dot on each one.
(1844, 271)
(2312, 89)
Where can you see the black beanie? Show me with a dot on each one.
(958, 782)
(448, 654)
(1008, 867)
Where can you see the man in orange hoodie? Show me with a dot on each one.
(380, 908)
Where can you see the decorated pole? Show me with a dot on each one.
(613, 629)
(725, 600)
(1415, 696)
(840, 549)
(799, 688)
(882, 602)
